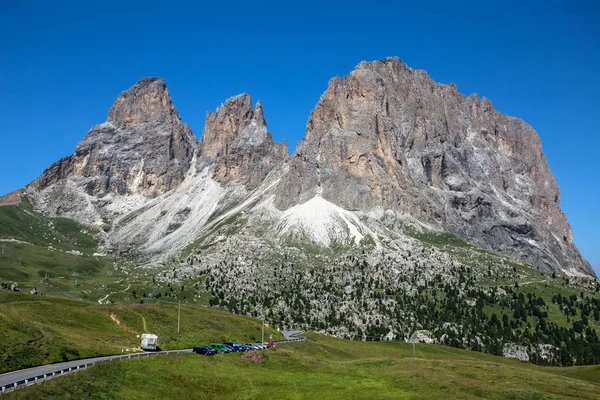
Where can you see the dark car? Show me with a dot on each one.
(204, 350)
(236, 346)
(231, 349)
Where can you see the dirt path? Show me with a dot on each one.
(530, 282)
(121, 325)
(104, 298)
(123, 291)
(143, 321)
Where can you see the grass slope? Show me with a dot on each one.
(21, 222)
(45, 253)
(35, 245)
(325, 368)
(38, 330)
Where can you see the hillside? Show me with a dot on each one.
(386, 148)
(36, 330)
(326, 368)
(465, 297)
(407, 207)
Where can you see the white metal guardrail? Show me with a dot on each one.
(86, 363)
(296, 339)
(81, 365)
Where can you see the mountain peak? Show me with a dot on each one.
(226, 124)
(388, 137)
(259, 117)
(144, 148)
(146, 101)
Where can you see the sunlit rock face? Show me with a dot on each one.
(142, 148)
(387, 137)
(386, 147)
(236, 139)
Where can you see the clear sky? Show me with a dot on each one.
(62, 64)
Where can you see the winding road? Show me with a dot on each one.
(24, 377)
(43, 372)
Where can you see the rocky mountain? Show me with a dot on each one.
(389, 138)
(143, 148)
(387, 151)
(236, 139)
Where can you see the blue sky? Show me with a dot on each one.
(62, 65)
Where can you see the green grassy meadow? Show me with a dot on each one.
(36, 330)
(326, 368)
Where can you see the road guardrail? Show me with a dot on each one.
(82, 365)
(86, 363)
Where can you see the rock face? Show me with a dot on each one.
(387, 137)
(384, 147)
(143, 147)
(236, 140)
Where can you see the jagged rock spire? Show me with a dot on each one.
(236, 140)
(144, 148)
(226, 124)
(146, 101)
(258, 114)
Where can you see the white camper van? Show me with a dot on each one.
(149, 342)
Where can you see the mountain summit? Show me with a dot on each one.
(388, 137)
(387, 151)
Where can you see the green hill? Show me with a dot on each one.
(45, 253)
(37, 330)
(326, 368)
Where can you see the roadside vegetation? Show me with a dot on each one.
(326, 368)
(36, 330)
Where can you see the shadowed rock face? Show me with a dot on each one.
(387, 137)
(142, 148)
(236, 140)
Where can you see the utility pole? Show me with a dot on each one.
(263, 329)
(414, 361)
(413, 339)
(178, 316)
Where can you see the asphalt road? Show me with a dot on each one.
(291, 334)
(10, 378)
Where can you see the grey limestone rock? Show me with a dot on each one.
(143, 147)
(387, 137)
(386, 141)
(236, 140)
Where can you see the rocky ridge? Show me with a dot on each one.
(142, 149)
(386, 148)
(236, 140)
(389, 138)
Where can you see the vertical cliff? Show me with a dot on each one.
(388, 137)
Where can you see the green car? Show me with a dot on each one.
(219, 348)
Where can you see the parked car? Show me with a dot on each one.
(231, 349)
(261, 345)
(220, 348)
(272, 345)
(204, 350)
(236, 346)
(252, 346)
